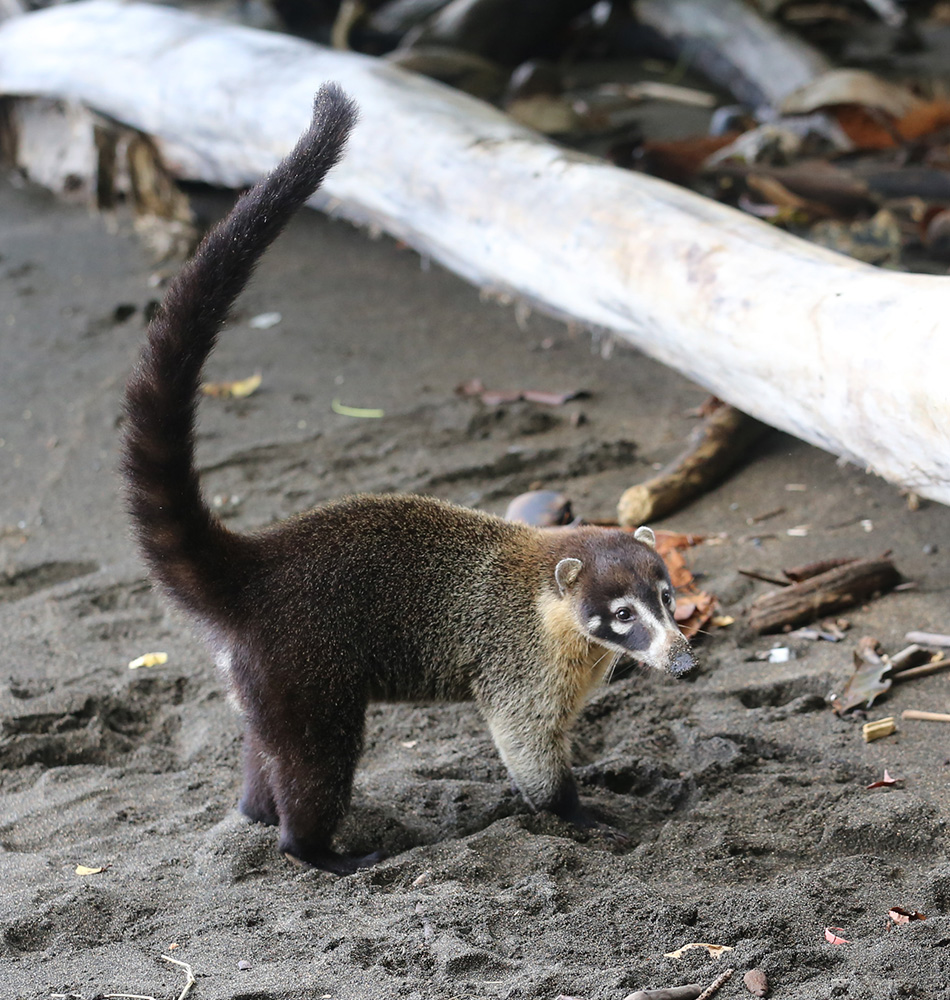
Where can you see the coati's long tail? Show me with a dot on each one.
(194, 557)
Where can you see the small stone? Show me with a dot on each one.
(244, 966)
(756, 982)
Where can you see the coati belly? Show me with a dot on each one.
(396, 597)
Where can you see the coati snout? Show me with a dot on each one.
(525, 621)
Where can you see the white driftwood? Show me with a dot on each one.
(850, 358)
(759, 62)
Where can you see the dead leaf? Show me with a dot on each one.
(238, 389)
(715, 950)
(685, 608)
(853, 87)
(901, 916)
(832, 935)
(883, 782)
(494, 397)
(148, 660)
(867, 682)
(85, 870)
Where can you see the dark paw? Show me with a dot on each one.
(336, 864)
(582, 820)
(610, 835)
(257, 813)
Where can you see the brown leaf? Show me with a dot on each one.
(867, 682)
(883, 782)
(901, 916)
(495, 397)
(832, 935)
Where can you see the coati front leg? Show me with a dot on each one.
(534, 746)
(309, 747)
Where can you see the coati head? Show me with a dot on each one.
(622, 598)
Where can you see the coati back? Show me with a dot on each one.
(396, 597)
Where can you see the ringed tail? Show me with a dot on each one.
(195, 558)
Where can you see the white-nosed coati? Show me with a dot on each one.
(397, 597)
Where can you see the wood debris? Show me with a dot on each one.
(878, 729)
(824, 594)
(690, 992)
(714, 449)
(920, 716)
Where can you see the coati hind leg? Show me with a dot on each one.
(257, 798)
(311, 744)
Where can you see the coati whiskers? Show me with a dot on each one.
(369, 596)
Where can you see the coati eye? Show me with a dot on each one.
(668, 597)
(623, 614)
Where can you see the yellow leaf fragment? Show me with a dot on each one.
(148, 660)
(723, 621)
(85, 870)
(715, 950)
(233, 390)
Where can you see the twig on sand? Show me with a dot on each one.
(190, 981)
(913, 713)
(714, 986)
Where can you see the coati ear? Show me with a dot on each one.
(645, 535)
(566, 573)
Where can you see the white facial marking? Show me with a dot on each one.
(594, 623)
(619, 602)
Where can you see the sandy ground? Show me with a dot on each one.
(745, 796)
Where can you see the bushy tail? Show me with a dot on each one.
(195, 558)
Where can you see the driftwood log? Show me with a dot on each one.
(845, 356)
(824, 594)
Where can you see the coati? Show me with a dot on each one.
(392, 597)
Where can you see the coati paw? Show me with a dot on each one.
(258, 814)
(610, 835)
(336, 864)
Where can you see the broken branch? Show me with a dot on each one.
(832, 591)
(913, 713)
(714, 449)
(690, 992)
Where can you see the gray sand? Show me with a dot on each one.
(745, 796)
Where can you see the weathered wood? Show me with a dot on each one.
(716, 447)
(848, 357)
(825, 594)
(727, 40)
(928, 638)
(798, 573)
